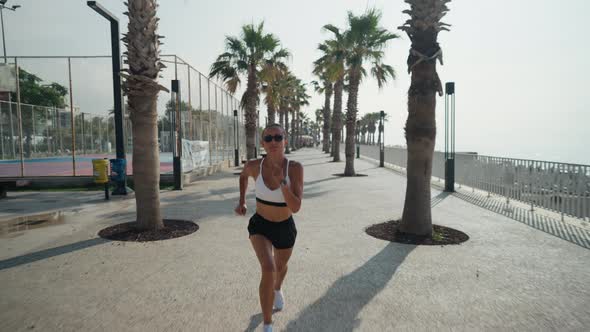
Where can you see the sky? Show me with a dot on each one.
(520, 67)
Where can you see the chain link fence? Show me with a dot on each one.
(57, 114)
(207, 112)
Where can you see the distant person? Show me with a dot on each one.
(279, 191)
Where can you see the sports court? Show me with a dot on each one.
(63, 166)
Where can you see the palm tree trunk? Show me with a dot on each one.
(282, 119)
(146, 161)
(421, 125)
(287, 149)
(337, 119)
(294, 131)
(295, 127)
(251, 114)
(351, 123)
(271, 113)
(327, 121)
(420, 139)
(298, 126)
(142, 90)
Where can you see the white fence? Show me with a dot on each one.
(560, 187)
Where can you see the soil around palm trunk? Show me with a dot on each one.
(441, 235)
(349, 176)
(129, 231)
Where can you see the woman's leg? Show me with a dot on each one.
(281, 257)
(263, 249)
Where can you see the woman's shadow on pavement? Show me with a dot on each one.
(338, 308)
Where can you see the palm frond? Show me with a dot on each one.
(332, 28)
(382, 72)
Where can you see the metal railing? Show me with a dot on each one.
(559, 187)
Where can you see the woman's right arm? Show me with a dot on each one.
(243, 186)
(246, 173)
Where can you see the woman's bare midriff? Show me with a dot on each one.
(273, 213)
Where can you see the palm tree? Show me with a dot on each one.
(326, 87)
(385, 119)
(271, 72)
(285, 90)
(315, 128)
(371, 127)
(279, 90)
(333, 63)
(422, 28)
(365, 41)
(141, 87)
(271, 100)
(371, 121)
(300, 98)
(364, 124)
(248, 55)
(319, 122)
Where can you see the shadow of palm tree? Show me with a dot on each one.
(316, 164)
(310, 157)
(308, 183)
(338, 308)
(366, 169)
(48, 253)
(58, 200)
(217, 207)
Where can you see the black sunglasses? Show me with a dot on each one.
(269, 138)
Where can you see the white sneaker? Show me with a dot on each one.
(279, 300)
(267, 328)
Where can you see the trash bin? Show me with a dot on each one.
(100, 170)
(119, 175)
(118, 169)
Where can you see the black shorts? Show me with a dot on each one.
(281, 234)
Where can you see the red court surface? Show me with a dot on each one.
(63, 166)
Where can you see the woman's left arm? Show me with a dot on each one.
(293, 193)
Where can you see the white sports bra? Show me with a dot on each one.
(267, 196)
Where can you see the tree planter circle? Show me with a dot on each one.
(173, 228)
(349, 176)
(441, 235)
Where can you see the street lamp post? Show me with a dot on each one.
(116, 64)
(83, 136)
(177, 130)
(2, 7)
(382, 135)
(236, 140)
(13, 8)
(450, 137)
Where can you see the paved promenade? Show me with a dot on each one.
(509, 276)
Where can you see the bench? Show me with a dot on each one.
(11, 184)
